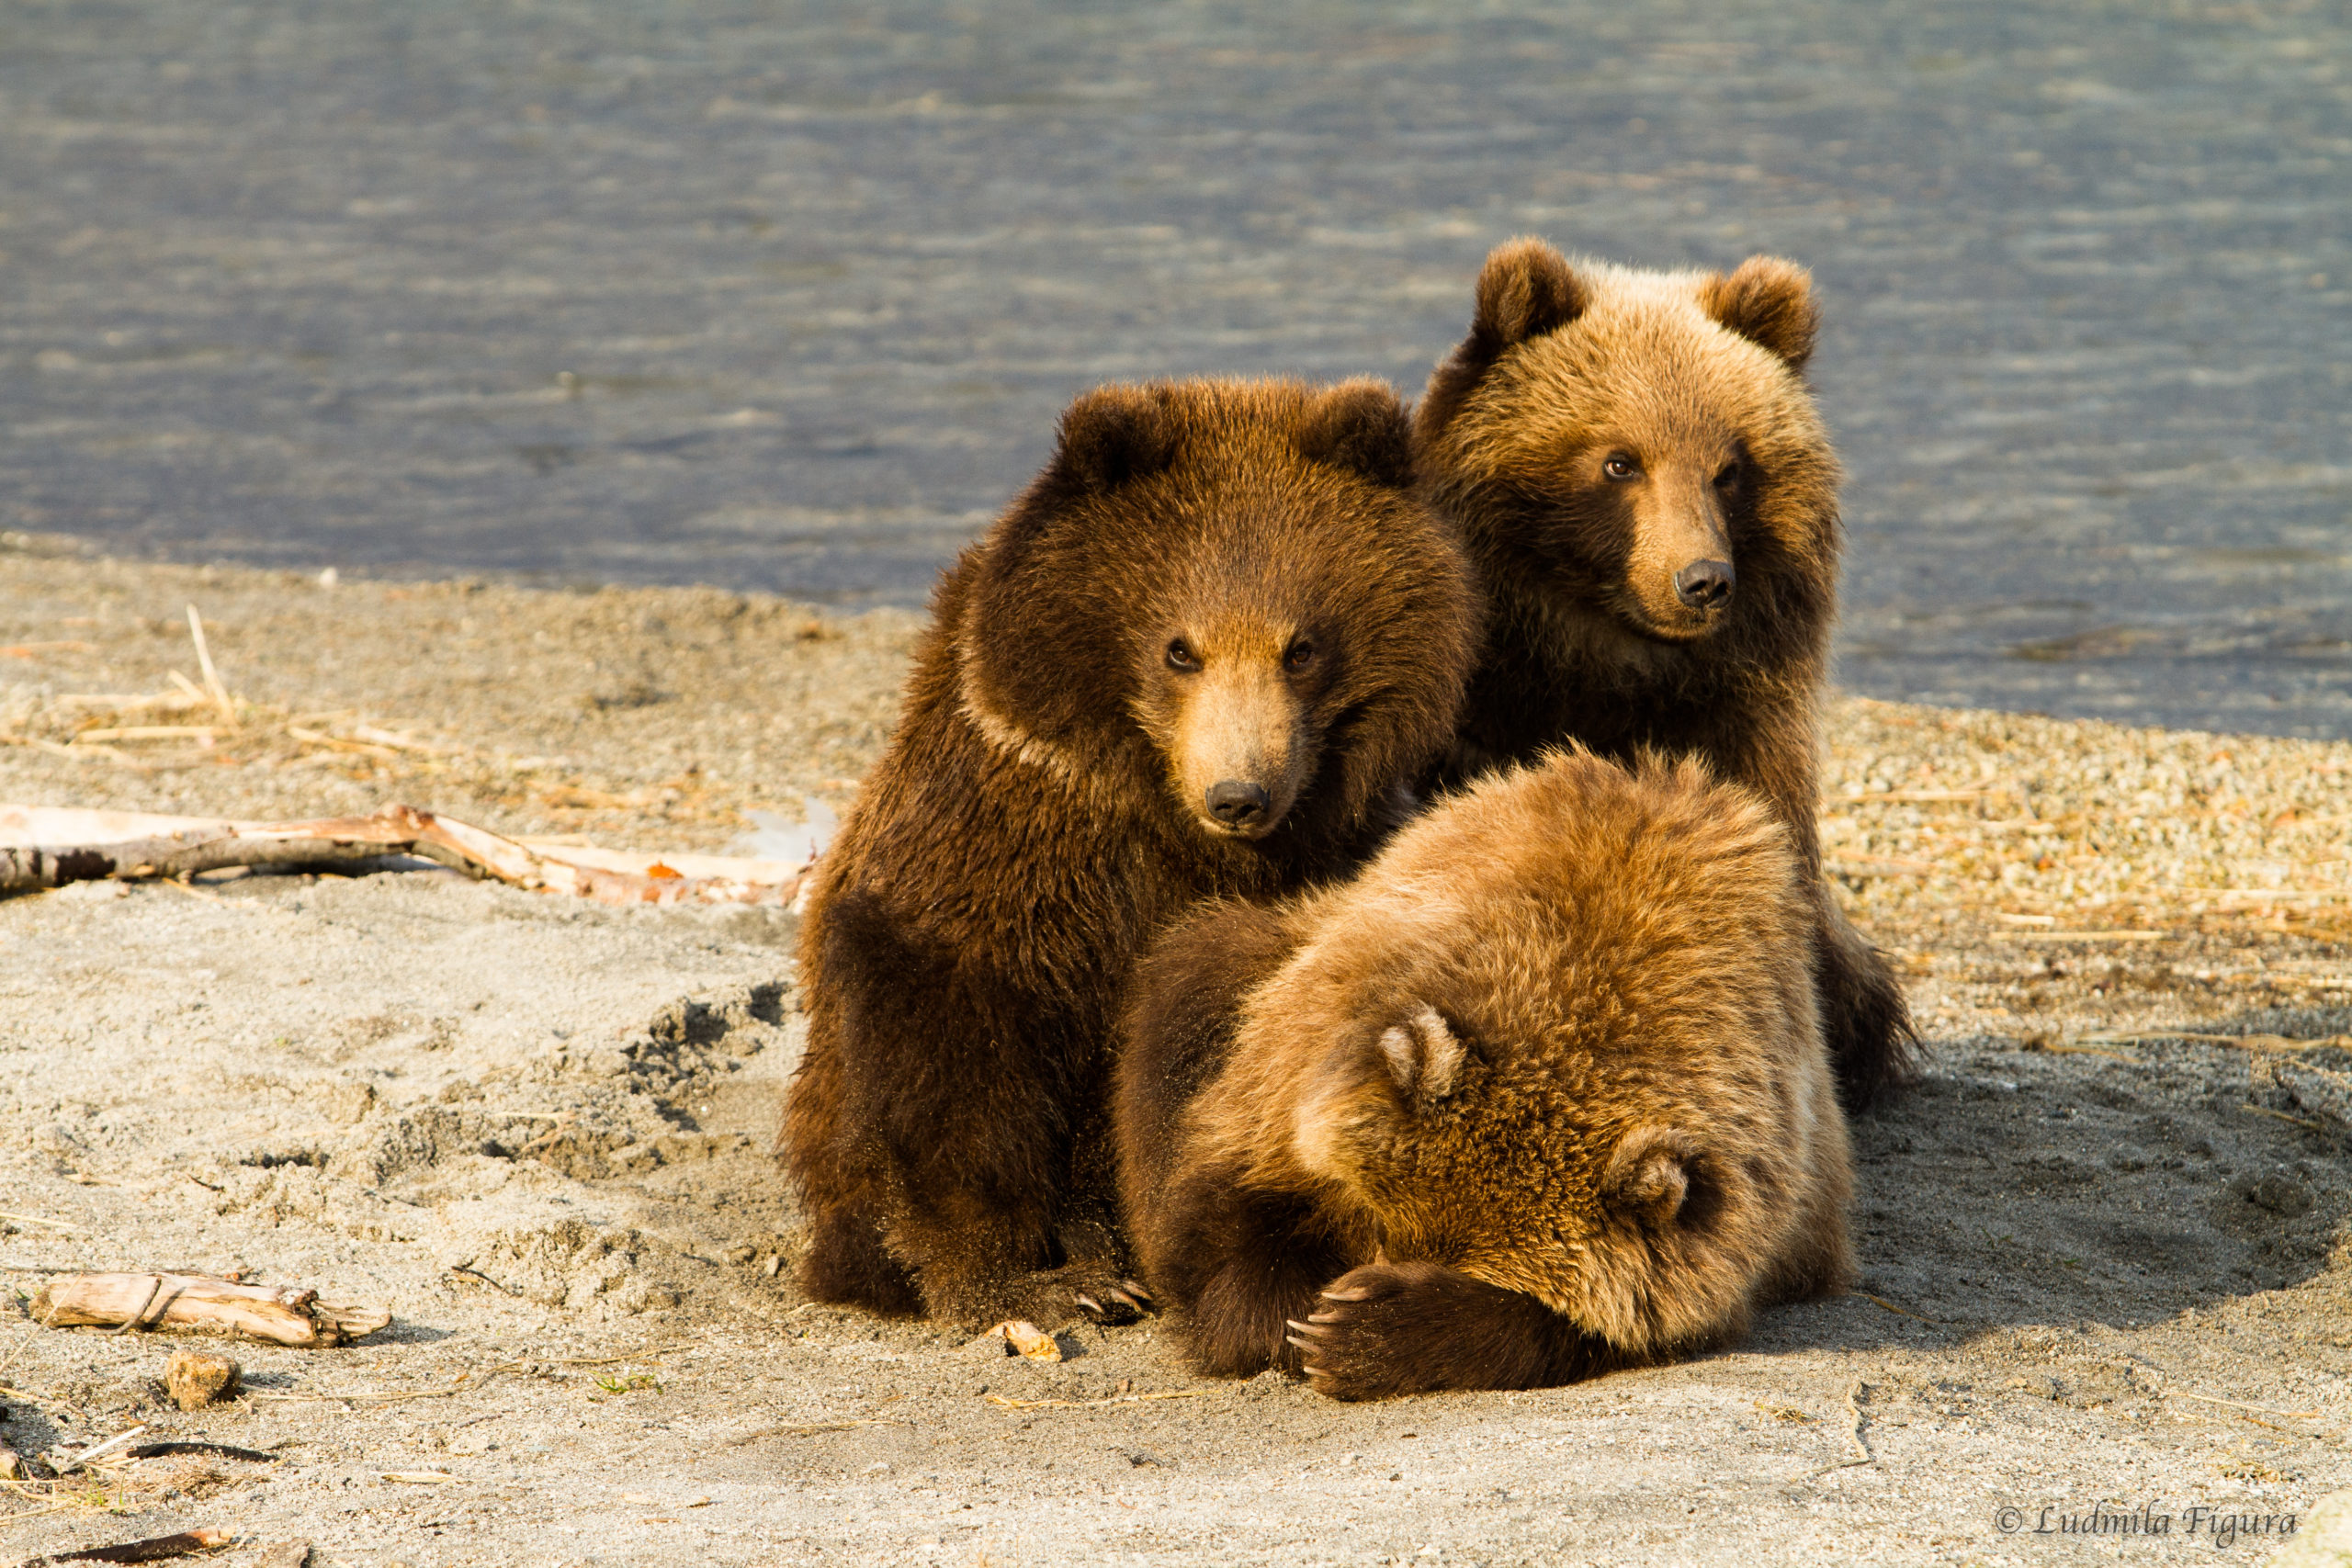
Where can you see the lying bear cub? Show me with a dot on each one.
(1542, 1093)
(1199, 656)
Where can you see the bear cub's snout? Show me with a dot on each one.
(1242, 700)
(1705, 585)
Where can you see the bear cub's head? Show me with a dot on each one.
(1639, 445)
(1561, 1036)
(1228, 586)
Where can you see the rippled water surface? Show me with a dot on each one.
(787, 297)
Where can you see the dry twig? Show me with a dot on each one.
(46, 847)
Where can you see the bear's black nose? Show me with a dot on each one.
(1237, 804)
(1704, 584)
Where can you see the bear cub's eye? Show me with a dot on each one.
(1618, 466)
(1182, 657)
(1729, 478)
(1299, 655)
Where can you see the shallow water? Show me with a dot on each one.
(786, 298)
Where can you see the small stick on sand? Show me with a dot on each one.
(2240, 1404)
(27, 1340)
(1853, 1436)
(1900, 1311)
(2280, 1115)
(37, 1219)
(119, 1440)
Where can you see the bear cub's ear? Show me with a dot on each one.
(1651, 1176)
(1113, 434)
(1768, 301)
(1360, 425)
(1424, 1055)
(1526, 290)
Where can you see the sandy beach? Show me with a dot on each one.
(2102, 1265)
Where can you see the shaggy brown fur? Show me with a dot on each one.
(1638, 469)
(1542, 1093)
(1199, 656)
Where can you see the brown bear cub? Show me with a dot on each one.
(1638, 469)
(1203, 654)
(1541, 1094)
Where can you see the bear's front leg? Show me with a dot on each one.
(1236, 1265)
(1391, 1328)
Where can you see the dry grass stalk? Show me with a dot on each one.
(1899, 1312)
(2239, 1042)
(2304, 1121)
(1862, 1454)
(212, 687)
(88, 1456)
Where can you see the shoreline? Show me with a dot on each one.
(662, 718)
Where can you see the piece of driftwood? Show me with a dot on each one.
(283, 1314)
(44, 846)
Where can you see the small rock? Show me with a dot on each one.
(197, 1379)
(2281, 1194)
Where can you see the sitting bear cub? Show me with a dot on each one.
(1541, 1094)
(1203, 654)
(1637, 468)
